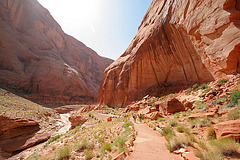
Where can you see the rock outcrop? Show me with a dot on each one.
(19, 133)
(178, 42)
(76, 120)
(40, 60)
(228, 129)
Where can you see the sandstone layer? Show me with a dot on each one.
(178, 42)
(40, 60)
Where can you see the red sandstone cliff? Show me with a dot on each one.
(38, 58)
(178, 42)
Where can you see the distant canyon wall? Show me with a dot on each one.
(38, 59)
(178, 42)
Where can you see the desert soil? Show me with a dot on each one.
(150, 145)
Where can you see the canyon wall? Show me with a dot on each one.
(42, 62)
(179, 42)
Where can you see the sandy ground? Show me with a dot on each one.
(150, 145)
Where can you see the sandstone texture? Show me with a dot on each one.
(178, 42)
(228, 129)
(38, 59)
(19, 133)
(77, 120)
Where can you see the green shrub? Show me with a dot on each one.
(83, 145)
(64, 152)
(52, 139)
(106, 147)
(210, 155)
(176, 143)
(100, 140)
(173, 122)
(120, 143)
(127, 123)
(203, 86)
(189, 90)
(226, 147)
(233, 114)
(167, 132)
(88, 154)
(211, 133)
(221, 82)
(235, 97)
(195, 86)
(182, 128)
(202, 144)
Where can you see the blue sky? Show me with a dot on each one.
(106, 26)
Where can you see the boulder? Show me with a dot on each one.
(178, 42)
(24, 142)
(153, 115)
(228, 129)
(134, 107)
(145, 110)
(77, 120)
(15, 126)
(174, 105)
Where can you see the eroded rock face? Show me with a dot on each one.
(39, 59)
(76, 120)
(19, 133)
(178, 42)
(228, 129)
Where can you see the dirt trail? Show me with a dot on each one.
(150, 145)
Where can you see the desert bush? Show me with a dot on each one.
(64, 152)
(203, 86)
(189, 90)
(106, 147)
(235, 97)
(100, 140)
(52, 139)
(195, 86)
(127, 123)
(202, 144)
(211, 133)
(221, 82)
(83, 145)
(88, 154)
(226, 146)
(233, 114)
(190, 137)
(167, 132)
(173, 122)
(181, 128)
(176, 143)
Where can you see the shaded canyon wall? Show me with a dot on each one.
(42, 62)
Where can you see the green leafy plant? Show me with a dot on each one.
(235, 97)
(52, 139)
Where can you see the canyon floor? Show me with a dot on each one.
(200, 122)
